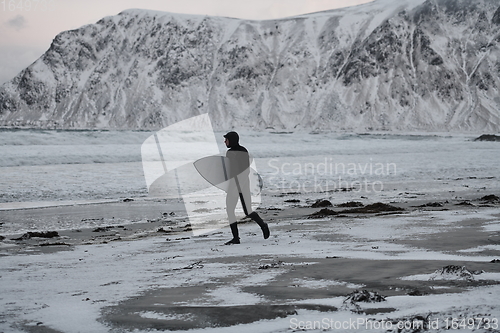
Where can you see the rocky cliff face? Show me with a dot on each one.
(388, 65)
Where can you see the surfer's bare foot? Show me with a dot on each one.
(233, 241)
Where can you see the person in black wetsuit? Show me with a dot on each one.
(239, 186)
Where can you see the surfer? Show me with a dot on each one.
(239, 186)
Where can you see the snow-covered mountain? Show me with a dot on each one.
(387, 65)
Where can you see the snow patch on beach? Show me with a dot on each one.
(162, 316)
(451, 277)
(310, 283)
(230, 296)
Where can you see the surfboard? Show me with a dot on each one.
(218, 171)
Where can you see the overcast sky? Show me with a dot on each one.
(27, 27)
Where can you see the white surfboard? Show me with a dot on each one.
(217, 171)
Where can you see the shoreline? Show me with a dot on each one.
(148, 214)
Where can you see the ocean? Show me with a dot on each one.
(49, 168)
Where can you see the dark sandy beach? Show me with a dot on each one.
(311, 267)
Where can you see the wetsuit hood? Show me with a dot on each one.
(233, 139)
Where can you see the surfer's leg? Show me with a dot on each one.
(231, 201)
(234, 231)
(263, 225)
(247, 201)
